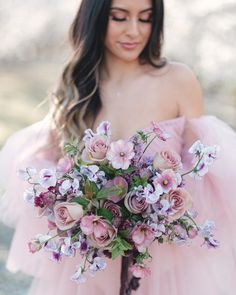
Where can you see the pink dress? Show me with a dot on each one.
(176, 270)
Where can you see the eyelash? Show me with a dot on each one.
(124, 19)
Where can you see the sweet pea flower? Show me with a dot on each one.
(93, 173)
(120, 154)
(104, 128)
(151, 195)
(196, 148)
(79, 276)
(140, 271)
(167, 159)
(47, 178)
(67, 215)
(97, 265)
(143, 236)
(167, 180)
(27, 173)
(38, 242)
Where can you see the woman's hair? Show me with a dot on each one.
(77, 96)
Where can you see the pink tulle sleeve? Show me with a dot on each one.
(29, 147)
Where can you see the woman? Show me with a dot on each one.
(117, 74)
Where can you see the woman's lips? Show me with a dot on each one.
(129, 46)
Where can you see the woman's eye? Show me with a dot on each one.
(118, 19)
(149, 20)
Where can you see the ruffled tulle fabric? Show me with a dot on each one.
(176, 270)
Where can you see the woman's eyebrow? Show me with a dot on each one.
(125, 10)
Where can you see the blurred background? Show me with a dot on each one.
(35, 49)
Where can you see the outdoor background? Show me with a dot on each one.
(34, 48)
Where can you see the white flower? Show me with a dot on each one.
(206, 230)
(90, 171)
(151, 195)
(199, 171)
(29, 195)
(51, 246)
(210, 154)
(98, 264)
(42, 238)
(158, 228)
(27, 173)
(165, 206)
(47, 178)
(78, 276)
(67, 248)
(104, 128)
(197, 148)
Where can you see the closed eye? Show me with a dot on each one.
(149, 20)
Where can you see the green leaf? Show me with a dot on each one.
(83, 202)
(125, 212)
(105, 213)
(124, 233)
(136, 218)
(119, 246)
(142, 256)
(110, 171)
(160, 240)
(126, 245)
(107, 191)
(130, 170)
(70, 149)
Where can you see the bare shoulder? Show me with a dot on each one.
(188, 91)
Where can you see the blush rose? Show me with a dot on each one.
(67, 215)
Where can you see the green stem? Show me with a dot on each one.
(193, 221)
(62, 232)
(147, 146)
(182, 175)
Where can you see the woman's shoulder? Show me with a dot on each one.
(187, 88)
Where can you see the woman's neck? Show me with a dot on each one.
(116, 70)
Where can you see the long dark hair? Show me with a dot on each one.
(77, 95)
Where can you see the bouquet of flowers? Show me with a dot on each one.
(110, 200)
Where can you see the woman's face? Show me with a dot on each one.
(129, 28)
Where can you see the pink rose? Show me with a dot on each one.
(167, 160)
(99, 231)
(87, 225)
(113, 208)
(67, 215)
(65, 164)
(140, 271)
(180, 201)
(143, 236)
(117, 181)
(96, 149)
(135, 204)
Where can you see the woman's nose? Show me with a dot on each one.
(133, 28)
